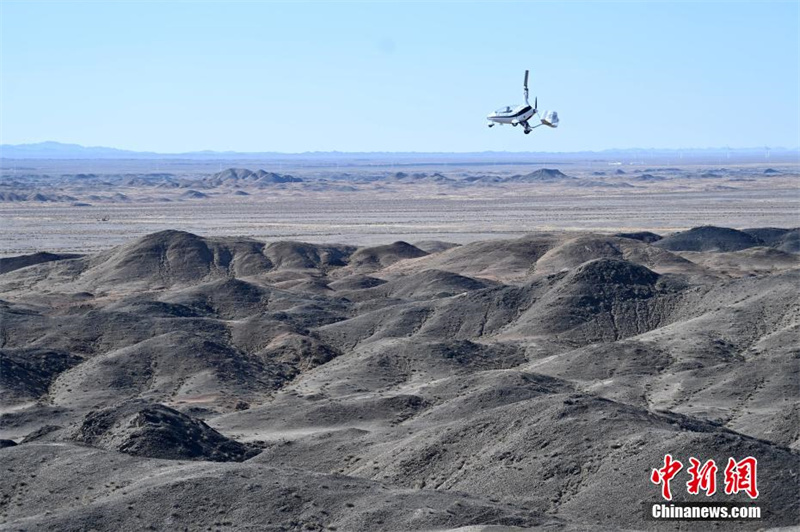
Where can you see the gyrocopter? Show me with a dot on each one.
(519, 115)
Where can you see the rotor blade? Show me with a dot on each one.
(526, 87)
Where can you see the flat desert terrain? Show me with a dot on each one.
(426, 348)
(78, 206)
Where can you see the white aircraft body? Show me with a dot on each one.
(521, 114)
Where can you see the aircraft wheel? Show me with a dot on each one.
(527, 131)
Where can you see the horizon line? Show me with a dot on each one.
(43, 145)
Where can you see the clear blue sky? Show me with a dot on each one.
(293, 77)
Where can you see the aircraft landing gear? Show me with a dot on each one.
(527, 131)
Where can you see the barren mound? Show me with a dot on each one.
(602, 300)
(356, 282)
(171, 257)
(300, 255)
(381, 256)
(615, 273)
(237, 175)
(428, 284)
(709, 238)
(750, 261)
(790, 242)
(576, 251)
(229, 298)
(8, 264)
(434, 246)
(543, 174)
(28, 373)
(496, 259)
(156, 431)
(643, 236)
(194, 194)
(783, 239)
(769, 235)
(650, 178)
(234, 173)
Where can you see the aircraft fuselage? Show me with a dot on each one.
(515, 115)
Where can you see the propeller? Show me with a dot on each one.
(536, 104)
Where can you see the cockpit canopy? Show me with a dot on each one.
(506, 109)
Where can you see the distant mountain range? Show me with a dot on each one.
(58, 150)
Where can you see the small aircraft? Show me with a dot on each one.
(520, 114)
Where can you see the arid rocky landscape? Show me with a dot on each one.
(380, 266)
(534, 379)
